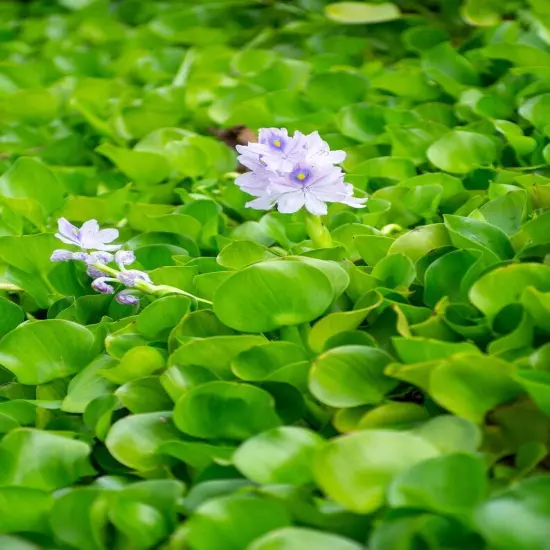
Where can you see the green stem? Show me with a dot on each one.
(318, 233)
(166, 289)
(184, 69)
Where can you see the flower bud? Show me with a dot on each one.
(100, 285)
(130, 277)
(126, 299)
(61, 255)
(100, 256)
(124, 257)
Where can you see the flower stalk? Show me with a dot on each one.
(320, 236)
(95, 251)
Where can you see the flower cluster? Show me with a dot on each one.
(293, 172)
(97, 253)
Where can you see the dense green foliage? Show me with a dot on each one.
(390, 392)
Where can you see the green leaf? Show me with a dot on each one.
(285, 293)
(246, 411)
(395, 271)
(142, 167)
(216, 352)
(30, 189)
(470, 233)
(144, 395)
(461, 152)
(346, 87)
(24, 510)
(281, 455)
(340, 321)
(11, 315)
(41, 351)
(239, 254)
(234, 521)
(516, 518)
(263, 361)
(350, 375)
(136, 363)
(142, 524)
(451, 434)
(451, 484)
(418, 350)
(356, 469)
(87, 385)
(298, 538)
(420, 241)
(505, 285)
(179, 379)
(471, 385)
(134, 440)
(161, 316)
(537, 385)
(359, 12)
(41, 460)
(79, 518)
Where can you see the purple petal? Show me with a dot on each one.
(94, 272)
(124, 257)
(67, 232)
(61, 256)
(100, 285)
(131, 276)
(126, 299)
(100, 256)
(81, 256)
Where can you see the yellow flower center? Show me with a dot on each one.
(301, 176)
(277, 142)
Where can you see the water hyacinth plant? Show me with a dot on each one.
(274, 275)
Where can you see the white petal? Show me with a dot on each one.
(315, 206)
(65, 240)
(107, 235)
(261, 203)
(289, 203)
(354, 202)
(252, 181)
(89, 227)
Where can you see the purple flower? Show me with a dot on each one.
(100, 285)
(61, 255)
(131, 276)
(275, 151)
(124, 257)
(88, 237)
(294, 172)
(81, 256)
(101, 257)
(318, 152)
(126, 299)
(311, 187)
(94, 272)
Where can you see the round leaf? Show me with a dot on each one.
(349, 376)
(245, 410)
(362, 12)
(41, 351)
(355, 470)
(270, 295)
(460, 152)
(281, 455)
